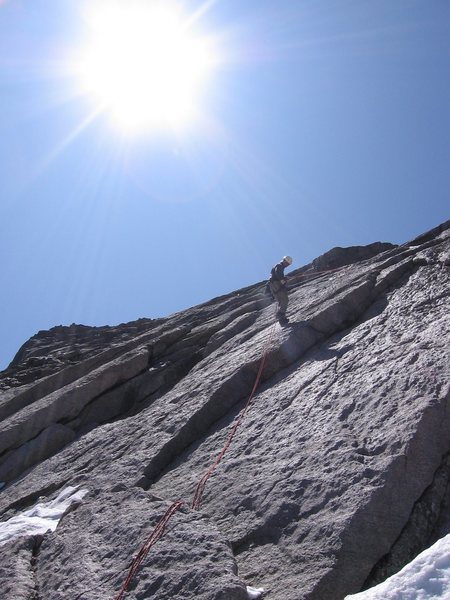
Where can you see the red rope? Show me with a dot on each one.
(202, 483)
(161, 524)
(198, 493)
(149, 542)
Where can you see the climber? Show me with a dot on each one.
(277, 284)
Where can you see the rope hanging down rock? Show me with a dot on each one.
(152, 539)
(202, 483)
(198, 493)
(161, 524)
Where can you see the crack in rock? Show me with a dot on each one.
(337, 315)
(416, 535)
(346, 431)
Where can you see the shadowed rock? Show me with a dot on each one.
(337, 475)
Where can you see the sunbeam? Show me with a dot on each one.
(59, 149)
(145, 64)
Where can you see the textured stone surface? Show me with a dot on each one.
(49, 352)
(17, 568)
(423, 524)
(338, 257)
(89, 556)
(343, 440)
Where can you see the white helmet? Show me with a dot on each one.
(288, 259)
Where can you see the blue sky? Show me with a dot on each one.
(327, 124)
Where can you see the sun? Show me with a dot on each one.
(144, 63)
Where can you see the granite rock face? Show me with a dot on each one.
(335, 477)
(49, 352)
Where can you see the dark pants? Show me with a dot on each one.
(280, 294)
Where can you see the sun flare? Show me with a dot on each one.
(144, 64)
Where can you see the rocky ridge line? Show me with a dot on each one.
(344, 436)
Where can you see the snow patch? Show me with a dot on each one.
(427, 577)
(254, 593)
(41, 518)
